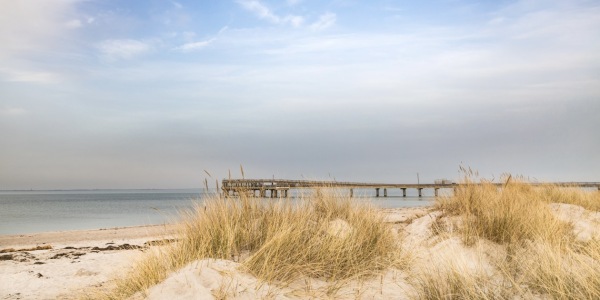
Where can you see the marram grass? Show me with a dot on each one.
(510, 214)
(543, 259)
(275, 240)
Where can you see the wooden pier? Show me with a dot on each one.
(274, 188)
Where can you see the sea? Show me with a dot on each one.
(23, 212)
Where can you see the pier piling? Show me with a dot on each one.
(274, 188)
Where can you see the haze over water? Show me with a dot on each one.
(39, 211)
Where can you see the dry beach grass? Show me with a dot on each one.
(319, 236)
(534, 250)
(483, 242)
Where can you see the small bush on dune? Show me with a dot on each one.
(321, 236)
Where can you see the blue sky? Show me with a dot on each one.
(148, 94)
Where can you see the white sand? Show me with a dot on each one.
(586, 224)
(73, 264)
(221, 279)
(64, 273)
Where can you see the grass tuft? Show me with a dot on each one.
(508, 215)
(322, 236)
(542, 259)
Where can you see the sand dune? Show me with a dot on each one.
(82, 260)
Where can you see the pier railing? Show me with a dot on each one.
(276, 187)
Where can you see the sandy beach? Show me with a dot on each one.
(60, 265)
(66, 264)
(70, 264)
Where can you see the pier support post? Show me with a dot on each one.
(351, 193)
(403, 192)
(420, 192)
(385, 192)
(376, 192)
(435, 191)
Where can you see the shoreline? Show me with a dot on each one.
(69, 264)
(85, 236)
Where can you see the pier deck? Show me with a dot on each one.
(280, 187)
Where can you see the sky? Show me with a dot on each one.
(152, 93)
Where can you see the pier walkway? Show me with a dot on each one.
(275, 188)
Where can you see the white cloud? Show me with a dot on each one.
(189, 47)
(32, 26)
(260, 10)
(263, 12)
(73, 24)
(25, 74)
(296, 21)
(122, 49)
(325, 21)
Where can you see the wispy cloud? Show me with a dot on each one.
(122, 49)
(325, 21)
(194, 46)
(265, 13)
(223, 29)
(79, 22)
(260, 10)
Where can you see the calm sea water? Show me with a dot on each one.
(24, 212)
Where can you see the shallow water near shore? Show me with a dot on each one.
(23, 212)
